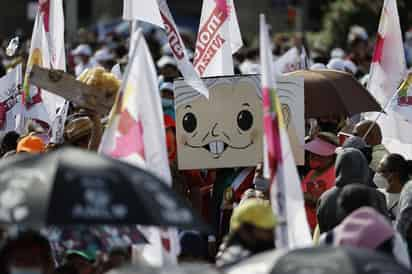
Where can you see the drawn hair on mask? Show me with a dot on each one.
(185, 94)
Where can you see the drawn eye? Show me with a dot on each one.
(189, 122)
(245, 120)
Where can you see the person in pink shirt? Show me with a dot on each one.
(321, 176)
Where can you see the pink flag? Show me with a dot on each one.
(286, 193)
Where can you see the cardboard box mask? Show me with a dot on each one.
(227, 130)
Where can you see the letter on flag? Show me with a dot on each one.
(218, 38)
(286, 193)
(10, 109)
(179, 51)
(147, 11)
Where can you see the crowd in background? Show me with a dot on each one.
(356, 193)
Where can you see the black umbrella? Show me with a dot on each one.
(77, 187)
(328, 260)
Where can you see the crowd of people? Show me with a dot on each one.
(356, 192)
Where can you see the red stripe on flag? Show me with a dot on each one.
(380, 42)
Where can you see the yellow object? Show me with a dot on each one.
(101, 79)
(256, 212)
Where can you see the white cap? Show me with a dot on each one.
(103, 55)
(317, 66)
(82, 49)
(350, 67)
(336, 64)
(166, 86)
(166, 60)
(337, 53)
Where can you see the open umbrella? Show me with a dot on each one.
(181, 269)
(77, 187)
(328, 260)
(330, 92)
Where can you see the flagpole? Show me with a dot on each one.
(380, 115)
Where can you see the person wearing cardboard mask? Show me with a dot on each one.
(321, 176)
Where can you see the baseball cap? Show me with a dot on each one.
(31, 144)
(165, 61)
(324, 144)
(82, 49)
(253, 211)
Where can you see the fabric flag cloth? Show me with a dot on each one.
(402, 103)
(388, 70)
(291, 61)
(48, 51)
(136, 135)
(10, 109)
(218, 38)
(286, 193)
(147, 11)
(179, 51)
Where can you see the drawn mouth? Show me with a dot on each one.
(216, 148)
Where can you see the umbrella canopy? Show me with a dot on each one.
(328, 260)
(77, 187)
(330, 92)
(261, 263)
(181, 269)
(91, 239)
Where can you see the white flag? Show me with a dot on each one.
(136, 131)
(286, 192)
(388, 70)
(147, 10)
(136, 135)
(218, 38)
(10, 108)
(179, 51)
(48, 51)
(292, 60)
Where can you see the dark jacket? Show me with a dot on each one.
(351, 168)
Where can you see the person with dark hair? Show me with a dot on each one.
(118, 257)
(65, 269)
(351, 168)
(194, 247)
(79, 260)
(28, 252)
(392, 174)
(9, 142)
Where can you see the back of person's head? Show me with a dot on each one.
(364, 228)
(66, 269)
(194, 247)
(396, 163)
(351, 167)
(9, 142)
(358, 143)
(356, 196)
(31, 242)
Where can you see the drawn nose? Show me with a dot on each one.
(214, 130)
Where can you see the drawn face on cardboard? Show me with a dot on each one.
(224, 131)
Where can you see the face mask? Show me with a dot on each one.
(24, 270)
(380, 181)
(315, 164)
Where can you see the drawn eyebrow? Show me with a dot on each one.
(188, 107)
(246, 105)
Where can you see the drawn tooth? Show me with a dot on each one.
(213, 147)
(220, 147)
